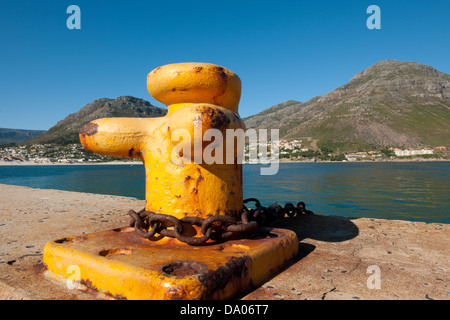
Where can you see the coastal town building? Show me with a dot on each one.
(412, 152)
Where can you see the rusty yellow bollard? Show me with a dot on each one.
(199, 96)
(180, 182)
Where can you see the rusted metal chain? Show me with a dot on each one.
(220, 227)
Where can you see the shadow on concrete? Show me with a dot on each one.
(321, 228)
(316, 227)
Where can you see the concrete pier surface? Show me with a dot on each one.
(339, 258)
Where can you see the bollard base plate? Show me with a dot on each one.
(125, 266)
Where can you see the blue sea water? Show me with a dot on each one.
(416, 191)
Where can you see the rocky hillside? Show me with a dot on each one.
(66, 130)
(390, 104)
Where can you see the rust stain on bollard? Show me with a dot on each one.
(89, 129)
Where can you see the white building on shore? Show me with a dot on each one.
(412, 152)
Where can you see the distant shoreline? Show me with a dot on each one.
(369, 161)
(31, 163)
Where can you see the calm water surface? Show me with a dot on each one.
(418, 191)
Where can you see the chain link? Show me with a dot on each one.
(219, 228)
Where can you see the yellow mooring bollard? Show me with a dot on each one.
(192, 241)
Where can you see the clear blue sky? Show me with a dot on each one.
(281, 50)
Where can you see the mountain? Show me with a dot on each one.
(390, 104)
(17, 135)
(66, 130)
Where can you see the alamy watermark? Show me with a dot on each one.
(74, 20)
(374, 281)
(227, 147)
(73, 281)
(374, 20)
